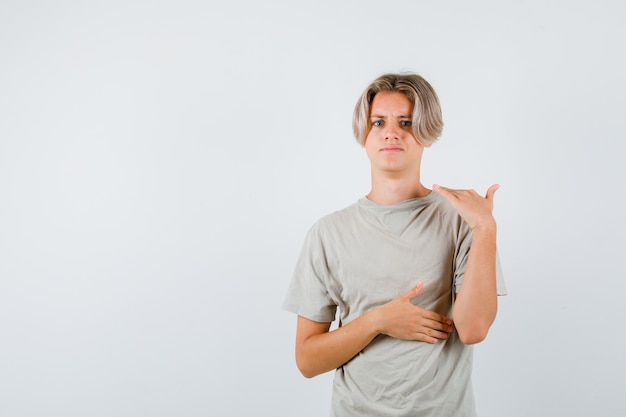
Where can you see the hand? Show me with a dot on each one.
(403, 320)
(474, 209)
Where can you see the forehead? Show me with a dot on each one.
(391, 103)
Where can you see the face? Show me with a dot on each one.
(390, 144)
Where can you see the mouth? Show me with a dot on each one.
(391, 149)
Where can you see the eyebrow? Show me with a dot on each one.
(378, 116)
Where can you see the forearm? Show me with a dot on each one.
(476, 302)
(323, 352)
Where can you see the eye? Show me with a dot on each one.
(405, 123)
(377, 123)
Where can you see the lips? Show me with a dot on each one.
(391, 149)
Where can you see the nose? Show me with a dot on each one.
(391, 132)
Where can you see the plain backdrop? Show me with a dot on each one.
(161, 162)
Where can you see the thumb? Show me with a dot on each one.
(413, 292)
(491, 191)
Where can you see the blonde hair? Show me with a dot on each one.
(427, 122)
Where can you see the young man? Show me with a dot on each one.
(413, 272)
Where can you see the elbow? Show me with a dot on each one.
(307, 373)
(472, 336)
(305, 367)
(473, 329)
(475, 332)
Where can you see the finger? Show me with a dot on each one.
(413, 292)
(442, 325)
(431, 336)
(437, 334)
(492, 191)
(442, 190)
(436, 318)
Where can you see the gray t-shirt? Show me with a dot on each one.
(362, 257)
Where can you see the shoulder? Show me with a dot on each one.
(441, 205)
(336, 221)
(444, 214)
(337, 217)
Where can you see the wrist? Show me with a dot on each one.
(375, 321)
(486, 227)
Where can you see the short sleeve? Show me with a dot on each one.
(308, 295)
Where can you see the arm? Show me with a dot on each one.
(475, 306)
(319, 350)
(476, 302)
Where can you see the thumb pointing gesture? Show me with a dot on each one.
(491, 191)
(473, 208)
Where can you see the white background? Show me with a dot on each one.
(161, 162)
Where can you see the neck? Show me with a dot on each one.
(386, 190)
